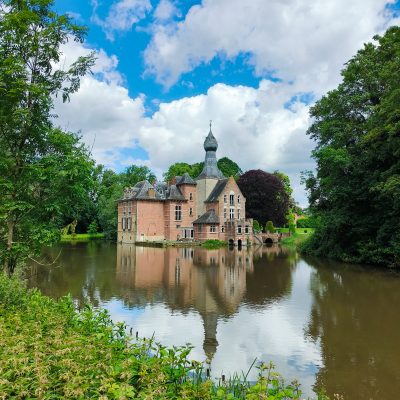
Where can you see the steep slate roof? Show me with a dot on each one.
(219, 187)
(141, 192)
(186, 179)
(173, 193)
(162, 192)
(208, 218)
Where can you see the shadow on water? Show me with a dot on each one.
(355, 315)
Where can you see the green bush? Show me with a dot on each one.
(307, 222)
(49, 350)
(256, 226)
(269, 227)
(92, 228)
(214, 244)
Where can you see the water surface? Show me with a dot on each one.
(327, 324)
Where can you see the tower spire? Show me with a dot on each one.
(210, 169)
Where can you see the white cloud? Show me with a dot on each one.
(306, 44)
(102, 111)
(251, 124)
(301, 41)
(122, 15)
(252, 127)
(165, 10)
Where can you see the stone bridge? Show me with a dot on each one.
(268, 238)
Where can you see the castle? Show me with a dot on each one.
(208, 207)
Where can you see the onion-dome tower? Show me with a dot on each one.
(210, 175)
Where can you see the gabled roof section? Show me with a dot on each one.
(143, 190)
(210, 217)
(186, 179)
(216, 192)
(173, 193)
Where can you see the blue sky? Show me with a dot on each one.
(165, 68)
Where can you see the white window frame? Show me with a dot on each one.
(178, 212)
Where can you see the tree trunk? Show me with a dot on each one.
(10, 262)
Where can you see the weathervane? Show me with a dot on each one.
(210, 123)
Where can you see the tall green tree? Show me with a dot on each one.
(134, 174)
(229, 167)
(355, 193)
(31, 34)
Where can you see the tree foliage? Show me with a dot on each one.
(355, 192)
(43, 171)
(266, 197)
(269, 227)
(229, 168)
(225, 164)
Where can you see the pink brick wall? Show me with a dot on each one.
(150, 222)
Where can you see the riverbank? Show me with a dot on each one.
(50, 350)
(296, 239)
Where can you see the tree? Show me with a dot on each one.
(266, 198)
(288, 188)
(291, 223)
(177, 169)
(269, 227)
(256, 226)
(135, 174)
(32, 168)
(226, 165)
(229, 167)
(355, 193)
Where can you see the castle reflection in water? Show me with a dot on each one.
(212, 282)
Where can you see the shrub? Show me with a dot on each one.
(256, 226)
(269, 227)
(93, 227)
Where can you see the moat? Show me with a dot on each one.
(327, 324)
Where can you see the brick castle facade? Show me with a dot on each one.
(208, 207)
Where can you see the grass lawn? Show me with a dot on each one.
(297, 238)
(298, 230)
(82, 237)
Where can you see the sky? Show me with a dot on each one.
(165, 68)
